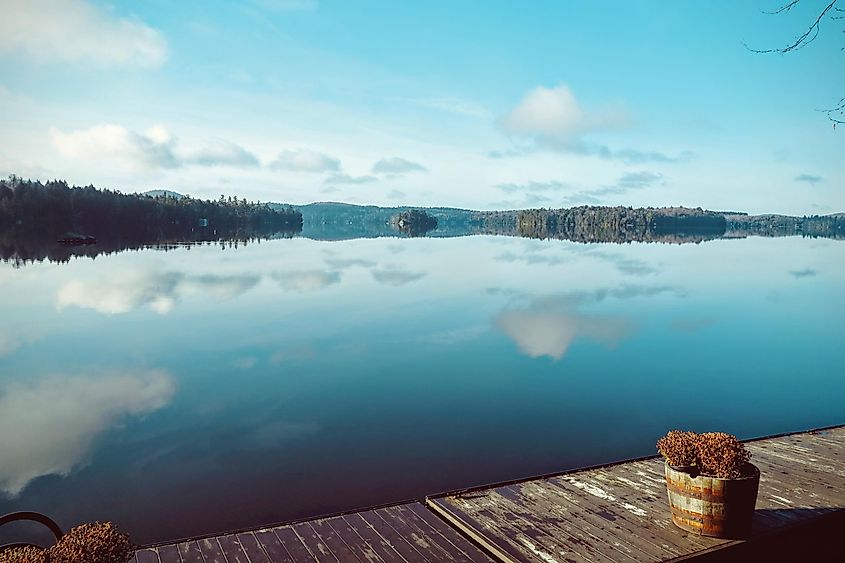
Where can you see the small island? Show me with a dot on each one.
(414, 222)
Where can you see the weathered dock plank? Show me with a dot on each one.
(169, 554)
(273, 547)
(617, 512)
(189, 552)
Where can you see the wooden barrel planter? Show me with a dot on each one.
(710, 506)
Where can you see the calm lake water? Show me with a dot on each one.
(204, 389)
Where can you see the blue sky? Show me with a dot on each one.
(474, 104)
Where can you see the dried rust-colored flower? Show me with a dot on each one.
(100, 542)
(721, 455)
(679, 448)
(26, 554)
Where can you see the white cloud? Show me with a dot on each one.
(555, 114)
(306, 280)
(77, 31)
(151, 149)
(155, 148)
(303, 160)
(49, 427)
(553, 119)
(397, 165)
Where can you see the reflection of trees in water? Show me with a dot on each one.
(20, 251)
(621, 224)
(33, 216)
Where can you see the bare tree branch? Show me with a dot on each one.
(785, 8)
(807, 37)
(836, 114)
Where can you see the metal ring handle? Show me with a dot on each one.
(35, 517)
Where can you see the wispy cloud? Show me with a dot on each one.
(303, 160)
(805, 273)
(808, 179)
(347, 179)
(396, 165)
(561, 193)
(584, 148)
(154, 148)
(223, 153)
(550, 186)
(78, 31)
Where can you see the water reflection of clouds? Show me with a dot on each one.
(305, 281)
(396, 276)
(548, 326)
(11, 341)
(160, 290)
(534, 258)
(296, 354)
(623, 264)
(691, 324)
(49, 427)
(534, 255)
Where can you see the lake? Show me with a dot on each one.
(210, 388)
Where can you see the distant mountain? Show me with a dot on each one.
(163, 193)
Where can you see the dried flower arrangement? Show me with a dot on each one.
(679, 448)
(100, 542)
(721, 455)
(27, 554)
(715, 454)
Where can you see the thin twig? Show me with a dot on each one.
(802, 41)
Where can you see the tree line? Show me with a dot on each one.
(34, 215)
(612, 224)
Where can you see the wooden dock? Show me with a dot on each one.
(616, 512)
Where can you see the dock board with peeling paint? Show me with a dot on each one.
(617, 512)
